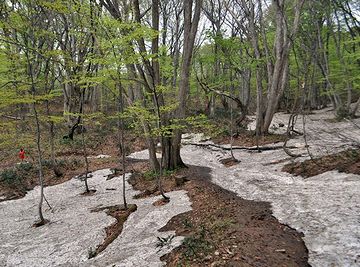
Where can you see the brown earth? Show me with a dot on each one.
(346, 161)
(73, 165)
(114, 230)
(224, 229)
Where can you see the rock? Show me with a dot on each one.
(216, 253)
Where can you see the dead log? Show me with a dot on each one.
(255, 148)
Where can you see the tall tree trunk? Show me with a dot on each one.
(190, 29)
(283, 41)
(121, 140)
(82, 128)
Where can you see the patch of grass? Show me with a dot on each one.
(187, 223)
(196, 243)
(151, 175)
(221, 224)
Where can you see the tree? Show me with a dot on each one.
(25, 32)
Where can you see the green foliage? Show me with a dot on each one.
(151, 175)
(16, 174)
(187, 224)
(221, 224)
(342, 113)
(10, 176)
(24, 166)
(196, 243)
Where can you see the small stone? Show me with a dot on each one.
(229, 251)
(217, 253)
(208, 258)
(280, 250)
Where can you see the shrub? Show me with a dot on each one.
(10, 176)
(24, 166)
(47, 163)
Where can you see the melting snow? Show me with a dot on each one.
(73, 229)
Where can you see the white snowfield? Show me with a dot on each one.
(73, 229)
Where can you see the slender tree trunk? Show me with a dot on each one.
(52, 145)
(122, 142)
(41, 178)
(82, 128)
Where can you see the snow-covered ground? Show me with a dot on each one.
(326, 208)
(73, 229)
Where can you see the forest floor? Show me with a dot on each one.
(347, 161)
(16, 178)
(223, 229)
(214, 210)
(228, 223)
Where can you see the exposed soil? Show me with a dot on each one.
(346, 161)
(161, 202)
(89, 193)
(248, 139)
(17, 189)
(74, 165)
(146, 182)
(114, 230)
(228, 162)
(224, 229)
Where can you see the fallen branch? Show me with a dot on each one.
(11, 117)
(260, 148)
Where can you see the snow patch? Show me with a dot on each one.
(73, 229)
(101, 156)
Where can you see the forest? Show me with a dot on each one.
(179, 133)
